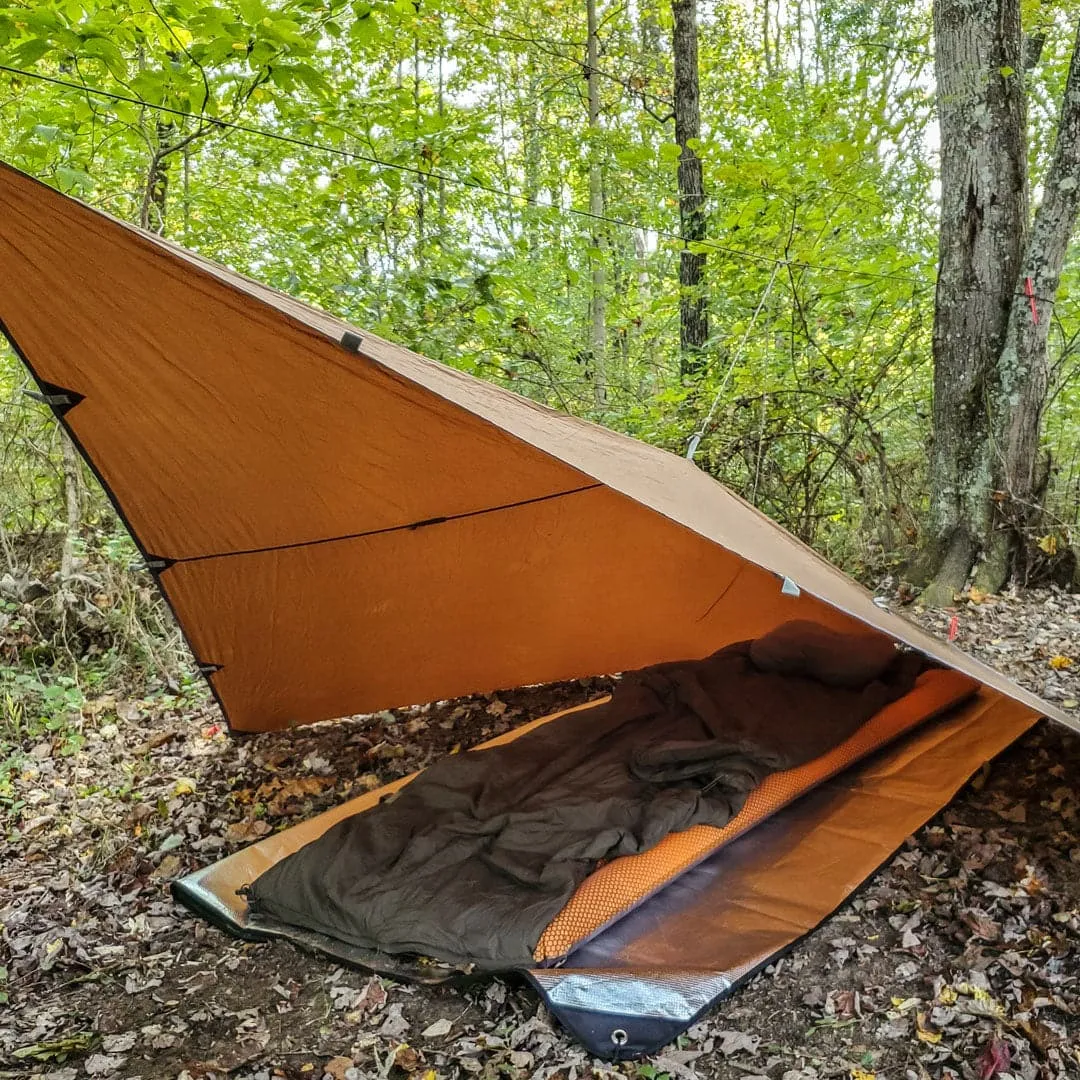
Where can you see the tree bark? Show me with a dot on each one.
(421, 181)
(983, 230)
(533, 157)
(73, 507)
(598, 255)
(997, 281)
(693, 302)
(1024, 363)
(156, 188)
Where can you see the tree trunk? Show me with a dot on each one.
(996, 288)
(533, 150)
(598, 255)
(156, 189)
(1024, 364)
(693, 306)
(983, 228)
(73, 503)
(420, 149)
(442, 181)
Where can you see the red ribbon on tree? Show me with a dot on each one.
(1031, 298)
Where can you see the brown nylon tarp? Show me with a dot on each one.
(344, 528)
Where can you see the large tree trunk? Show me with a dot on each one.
(991, 372)
(983, 226)
(693, 305)
(598, 256)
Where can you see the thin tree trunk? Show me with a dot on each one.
(983, 229)
(442, 115)
(765, 37)
(598, 257)
(693, 306)
(73, 519)
(532, 165)
(186, 167)
(156, 188)
(421, 181)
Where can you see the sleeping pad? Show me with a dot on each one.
(470, 861)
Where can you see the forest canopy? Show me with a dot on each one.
(510, 188)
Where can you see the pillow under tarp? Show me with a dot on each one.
(802, 647)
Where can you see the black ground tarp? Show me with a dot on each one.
(472, 860)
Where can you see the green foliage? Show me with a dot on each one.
(402, 125)
(32, 710)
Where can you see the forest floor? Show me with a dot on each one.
(961, 958)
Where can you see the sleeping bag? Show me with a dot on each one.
(470, 861)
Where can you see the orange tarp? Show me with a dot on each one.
(341, 525)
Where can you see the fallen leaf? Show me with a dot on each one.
(437, 1030)
(247, 830)
(994, 1059)
(734, 1042)
(119, 1044)
(981, 926)
(1039, 1035)
(167, 868)
(102, 1064)
(406, 1058)
(395, 1026)
(1060, 662)
(372, 997)
(925, 1031)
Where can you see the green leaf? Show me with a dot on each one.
(105, 51)
(1006, 71)
(30, 52)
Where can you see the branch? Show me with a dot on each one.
(1056, 217)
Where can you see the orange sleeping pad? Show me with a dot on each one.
(622, 884)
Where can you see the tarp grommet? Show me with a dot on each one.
(619, 1037)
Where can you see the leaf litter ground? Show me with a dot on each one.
(960, 959)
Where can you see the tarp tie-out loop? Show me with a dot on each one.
(50, 399)
(58, 398)
(698, 435)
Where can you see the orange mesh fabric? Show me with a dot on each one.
(623, 883)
